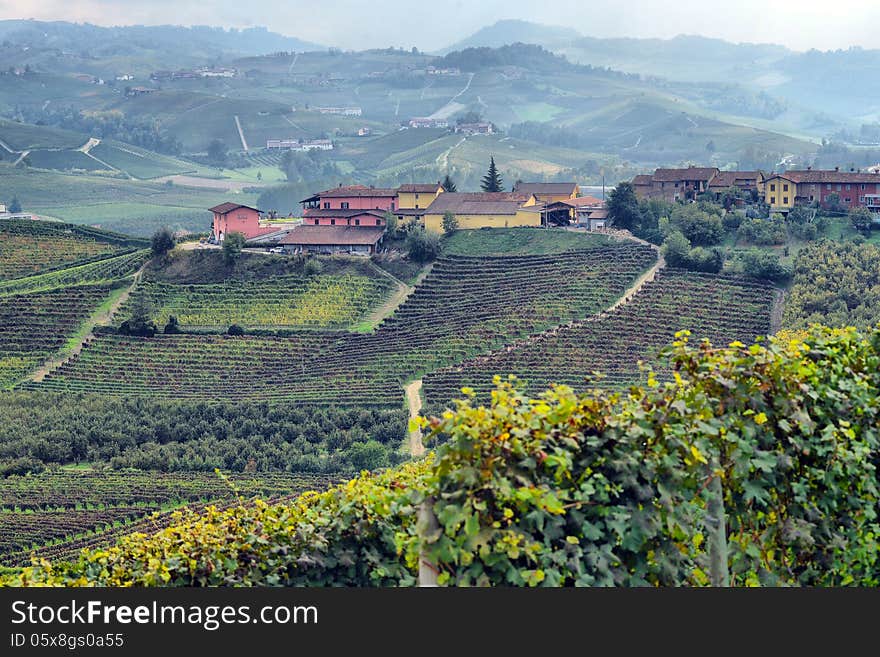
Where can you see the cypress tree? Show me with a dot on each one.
(492, 181)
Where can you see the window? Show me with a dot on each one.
(828, 186)
(378, 222)
(333, 222)
(848, 199)
(861, 198)
(316, 222)
(839, 187)
(785, 200)
(676, 184)
(848, 187)
(863, 188)
(326, 205)
(344, 205)
(811, 197)
(772, 188)
(417, 198)
(772, 201)
(357, 222)
(348, 222)
(785, 188)
(417, 206)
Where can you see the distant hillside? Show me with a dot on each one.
(505, 32)
(62, 46)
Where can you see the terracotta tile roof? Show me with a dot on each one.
(830, 177)
(691, 173)
(730, 178)
(643, 179)
(582, 201)
(478, 203)
(545, 188)
(226, 208)
(333, 235)
(356, 191)
(418, 188)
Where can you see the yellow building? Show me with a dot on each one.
(548, 192)
(780, 192)
(484, 210)
(417, 196)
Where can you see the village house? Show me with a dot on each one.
(484, 210)
(852, 189)
(340, 111)
(674, 184)
(748, 182)
(237, 218)
(351, 197)
(413, 199)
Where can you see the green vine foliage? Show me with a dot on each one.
(569, 489)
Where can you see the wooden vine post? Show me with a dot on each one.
(428, 529)
(716, 528)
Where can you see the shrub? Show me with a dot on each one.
(731, 221)
(21, 466)
(235, 329)
(861, 219)
(761, 264)
(172, 326)
(313, 267)
(699, 226)
(422, 246)
(450, 223)
(763, 231)
(162, 242)
(233, 243)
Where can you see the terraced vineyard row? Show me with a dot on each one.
(31, 247)
(33, 326)
(316, 302)
(720, 308)
(106, 269)
(465, 307)
(57, 513)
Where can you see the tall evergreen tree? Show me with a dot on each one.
(448, 185)
(492, 181)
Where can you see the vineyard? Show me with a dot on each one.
(317, 302)
(33, 326)
(33, 247)
(720, 308)
(106, 269)
(57, 513)
(465, 307)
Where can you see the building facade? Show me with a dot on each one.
(850, 189)
(236, 218)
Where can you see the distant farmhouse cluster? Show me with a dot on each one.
(353, 218)
(782, 191)
(300, 144)
(194, 73)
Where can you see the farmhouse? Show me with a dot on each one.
(479, 128)
(425, 122)
(746, 181)
(484, 210)
(333, 239)
(340, 111)
(233, 217)
(851, 188)
(675, 184)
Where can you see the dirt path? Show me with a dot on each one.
(89, 145)
(414, 402)
(776, 313)
(241, 134)
(100, 317)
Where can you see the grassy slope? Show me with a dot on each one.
(518, 241)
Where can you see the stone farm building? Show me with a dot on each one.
(548, 192)
(237, 218)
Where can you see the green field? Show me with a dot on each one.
(133, 207)
(138, 162)
(519, 241)
(64, 161)
(23, 136)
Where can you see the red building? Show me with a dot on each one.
(236, 218)
(351, 197)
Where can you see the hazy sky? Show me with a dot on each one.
(357, 24)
